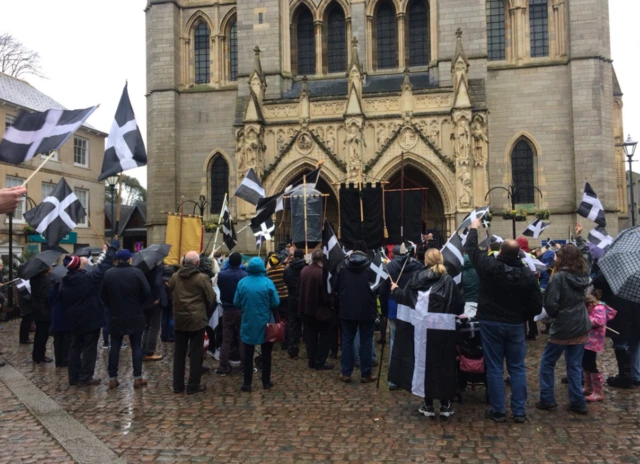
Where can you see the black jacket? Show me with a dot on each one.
(509, 292)
(124, 291)
(156, 285)
(80, 295)
(564, 302)
(393, 269)
(292, 277)
(40, 286)
(627, 321)
(357, 300)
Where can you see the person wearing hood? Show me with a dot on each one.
(387, 299)
(228, 280)
(192, 294)
(570, 326)
(358, 312)
(257, 297)
(124, 290)
(291, 278)
(509, 296)
(275, 271)
(79, 296)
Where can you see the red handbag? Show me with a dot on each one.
(275, 330)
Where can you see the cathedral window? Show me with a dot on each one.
(386, 36)
(418, 40)
(305, 41)
(219, 177)
(539, 27)
(522, 172)
(336, 32)
(201, 48)
(233, 52)
(496, 30)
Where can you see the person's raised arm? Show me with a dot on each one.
(480, 259)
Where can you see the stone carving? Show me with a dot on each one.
(305, 143)
(280, 141)
(253, 150)
(408, 138)
(331, 139)
(240, 151)
(434, 133)
(320, 133)
(479, 134)
(281, 111)
(353, 146)
(381, 136)
(465, 195)
(461, 142)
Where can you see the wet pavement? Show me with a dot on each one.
(309, 416)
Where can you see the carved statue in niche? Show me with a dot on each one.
(331, 139)
(290, 133)
(305, 143)
(320, 133)
(253, 148)
(240, 158)
(461, 145)
(353, 147)
(465, 196)
(479, 134)
(280, 141)
(422, 125)
(381, 136)
(434, 133)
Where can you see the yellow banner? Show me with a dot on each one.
(191, 239)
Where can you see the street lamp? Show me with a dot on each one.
(112, 181)
(629, 147)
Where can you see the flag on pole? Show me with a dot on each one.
(228, 230)
(57, 215)
(125, 146)
(23, 286)
(250, 189)
(591, 207)
(263, 231)
(453, 256)
(40, 133)
(489, 240)
(265, 208)
(473, 215)
(377, 270)
(600, 238)
(535, 228)
(333, 254)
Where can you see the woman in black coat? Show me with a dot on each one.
(40, 286)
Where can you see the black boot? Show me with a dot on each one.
(623, 379)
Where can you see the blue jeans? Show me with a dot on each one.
(135, 340)
(392, 337)
(573, 357)
(500, 341)
(168, 333)
(349, 331)
(356, 348)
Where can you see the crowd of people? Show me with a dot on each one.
(112, 297)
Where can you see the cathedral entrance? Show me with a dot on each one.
(432, 214)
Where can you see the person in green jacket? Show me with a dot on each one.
(257, 296)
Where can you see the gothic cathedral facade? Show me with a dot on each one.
(461, 95)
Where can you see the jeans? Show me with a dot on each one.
(135, 341)
(392, 337)
(167, 333)
(349, 332)
(573, 358)
(295, 328)
(82, 356)
(40, 341)
(267, 349)
(152, 318)
(500, 341)
(61, 347)
(356, 348)
(231, 319)
(318, 333)
(192, 343)
(634, 352)
(25, 326)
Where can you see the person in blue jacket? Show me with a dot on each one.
(257, 297)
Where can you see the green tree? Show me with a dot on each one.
(132, 191)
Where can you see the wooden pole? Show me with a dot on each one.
(402, 198)
(180, 234)
(96, 230)
(215, 240)
(304, 207)
(384, 214)
(51, 155)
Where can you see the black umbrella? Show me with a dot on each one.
(147, 259)
(39, 263)
(88, 251)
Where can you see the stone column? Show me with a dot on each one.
(319, 48)
(401, 41)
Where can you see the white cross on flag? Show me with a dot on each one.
(125, 146)
(40, 133)
(57, 215)
(473, 215)
(535, 228)
(263, 231)
(377, 271)
(591, 208)
(600, 238)
(453, 256)
(228, 230)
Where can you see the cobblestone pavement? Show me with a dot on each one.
(310, 417)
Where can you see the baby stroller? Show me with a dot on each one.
(471, 369)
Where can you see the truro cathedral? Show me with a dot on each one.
(461, 96)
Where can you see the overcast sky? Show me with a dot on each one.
(90, 48)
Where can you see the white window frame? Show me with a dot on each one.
(42, 188)
(53, 158)
(85, 221)
(86, 153)
(9, 120)
(13, 181)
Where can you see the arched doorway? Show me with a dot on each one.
(433, 218)
(330, 209)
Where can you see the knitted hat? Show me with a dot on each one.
(274, 260)
(298, 254)
(71, 262)
(124, 255)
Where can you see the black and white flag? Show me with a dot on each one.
(125, 146)
(473, 215)
(57, 215)
(591, 208)
(377, 270)
(228, 230)
(265, 208)
(488, 240)
(535, 228)
(40, 133)
(263, 231)
(250, 189)
(600, 238)
(333, 254)
(453, 256)
(23, 286)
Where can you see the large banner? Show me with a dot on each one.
(314, 217)
(412, 215)
(190, 240)
(371, 230)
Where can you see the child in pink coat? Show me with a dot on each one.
(599, 314)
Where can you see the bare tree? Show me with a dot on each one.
(16, 60)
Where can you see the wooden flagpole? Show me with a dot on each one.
(215, 240)
(384, 214)
(51, 155)
(304, 199)
(180, 234)
(95, 230)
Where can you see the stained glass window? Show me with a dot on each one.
(539, 27)
(306, 43)
(418, 42)
(336, 40)
(219, 183)
(233, 52)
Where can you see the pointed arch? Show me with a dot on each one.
(222, 182)
(496, 29)
(229, 55)
(385, 35)
(522, 156)
(303, 39)
(335, 37)
(195, 19)
(418, 35)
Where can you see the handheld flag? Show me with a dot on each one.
(333, 254)
(600, 238)
(228, 230)
(57, 215)
(453, 256)
(377, 270)
(473, 215)
(250, 189)
(535, 228)
(263, 231)
(591, 207)
(125, 147)
(40, 133)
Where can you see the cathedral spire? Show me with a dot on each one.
(459, 70)
(257, 81)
